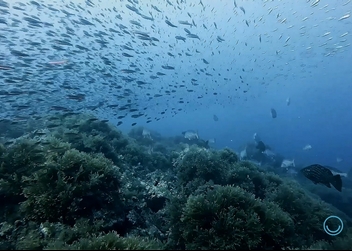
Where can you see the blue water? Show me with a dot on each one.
(303, 55)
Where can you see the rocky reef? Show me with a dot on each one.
(76, 182)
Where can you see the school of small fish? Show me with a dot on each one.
(142, 59)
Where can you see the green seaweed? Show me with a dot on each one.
(227, 217)
(69, 186)
(110, 241)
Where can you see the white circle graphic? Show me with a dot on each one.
(333, 232)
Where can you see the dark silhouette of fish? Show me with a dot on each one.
(261, 146)
(215, 117)
(320, 174)
(273, 113)
(203, 143)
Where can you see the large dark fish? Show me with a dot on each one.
(322, 175)
(273, 113)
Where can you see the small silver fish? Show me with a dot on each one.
(288, 163)
(288, 101)
(243, 154)
(256, 137)
(212, 141)
(146, 134)
(307, 147)
(269, 153)
(344, 17)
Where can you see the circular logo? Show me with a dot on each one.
(333, 232)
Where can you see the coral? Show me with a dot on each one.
(145, 201)
(157, 186)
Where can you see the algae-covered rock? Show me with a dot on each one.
(274, 213)
(110, 241)
(227, 217)
(252, 179)
(60, 188)
(202, 164)
(21, 158)
(338, 243)
(70, 186)
(228, 156)
(307, 213)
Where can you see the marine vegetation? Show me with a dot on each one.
(76, 182)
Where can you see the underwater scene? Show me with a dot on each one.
(175, 125)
